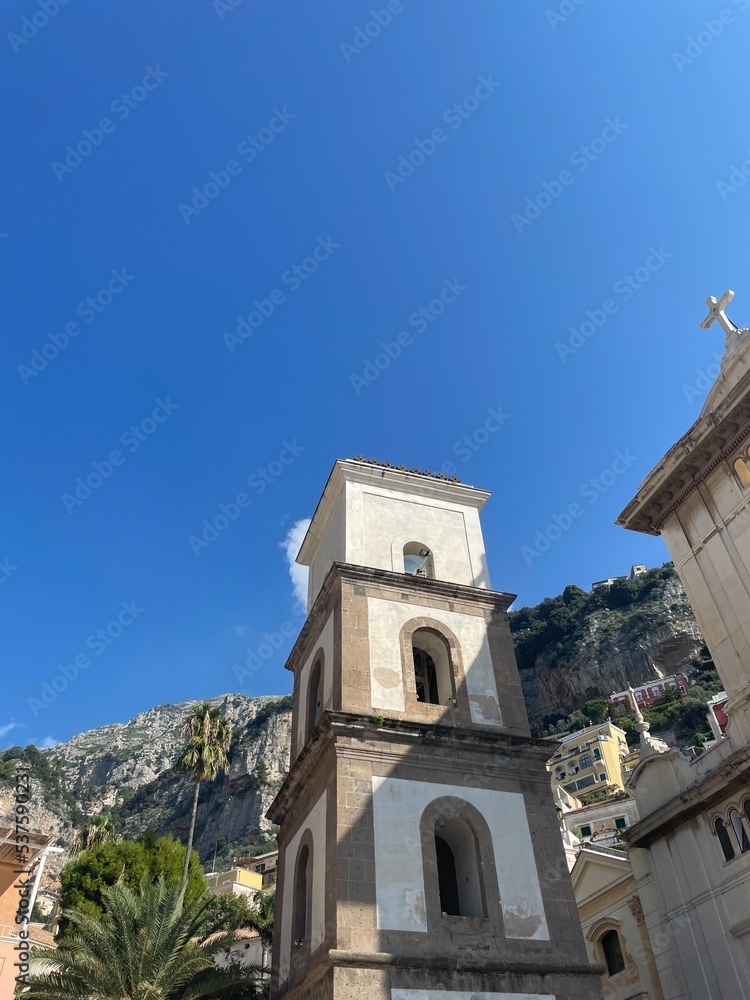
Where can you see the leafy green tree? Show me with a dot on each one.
(148, 945)
(596, 710)
(261, 771)
(228, 912)
(209, 738)
(85, 881)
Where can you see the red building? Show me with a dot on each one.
(654, 692)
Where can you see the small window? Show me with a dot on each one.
(597, 753)
(621, 823)
(739, 831)
(585, 762)
(743, 471)
(612, 952)
(585, 831)
(724, 839)
(418, 560)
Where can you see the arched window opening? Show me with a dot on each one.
(447, 878)
(300, 897)
(743, 471)
(459, 878)
(740, 831)
(425, 677)
(418, 560)
(747, 810)
(612, 949)
(314, 696)
(433, 673)
(723, 834)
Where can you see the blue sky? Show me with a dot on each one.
(540, 165)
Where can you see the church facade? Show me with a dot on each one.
(691, 846)
(420, 855)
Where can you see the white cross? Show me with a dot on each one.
(716, 312)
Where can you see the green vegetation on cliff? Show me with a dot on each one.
(557, 625)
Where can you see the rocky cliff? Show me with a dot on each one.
(128, 770)
(570, 649)
(585, 645)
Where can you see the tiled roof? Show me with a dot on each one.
(402, 468)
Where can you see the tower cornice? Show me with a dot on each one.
(420, 484)
(712, 439)
(392, 740)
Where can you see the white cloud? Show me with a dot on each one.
(46, 744)
(291, 546)
(8, 727)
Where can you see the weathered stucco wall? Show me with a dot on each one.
(398, 806)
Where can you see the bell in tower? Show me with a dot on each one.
(420, 854)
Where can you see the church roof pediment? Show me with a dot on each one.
(598, 870)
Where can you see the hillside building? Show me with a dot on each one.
(265, 865)
(590, 760)
(419, 851)
(652, 692)
(691, 845)
(602, 823)
(235, 881)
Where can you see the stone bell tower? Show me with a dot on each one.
(420, 854)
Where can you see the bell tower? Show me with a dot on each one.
(420, 853)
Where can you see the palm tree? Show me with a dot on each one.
(209, 737)
(147, 946)
(101, 830)
(260, 919)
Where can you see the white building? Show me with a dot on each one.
(691, 845)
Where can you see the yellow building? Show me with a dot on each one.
(235, 882)
(590, 760)
(265, 865)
